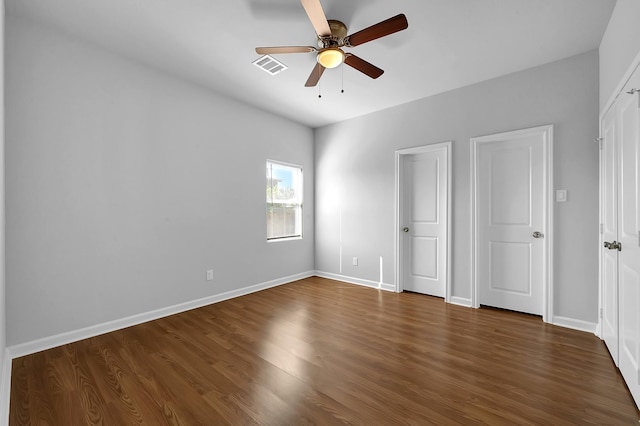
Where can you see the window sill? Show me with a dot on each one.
(277, 240)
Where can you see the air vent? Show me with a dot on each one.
(269, 64)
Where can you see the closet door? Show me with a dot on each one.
(620, 212)
(629, 239)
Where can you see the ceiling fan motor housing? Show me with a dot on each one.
(338, 34)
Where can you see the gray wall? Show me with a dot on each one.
(619, 47)
(124, 185)
(3, 320)
(355, 174)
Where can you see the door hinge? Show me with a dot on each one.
(600, 313)
(633, 92)
(602, 229)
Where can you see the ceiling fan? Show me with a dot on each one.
(332, 37)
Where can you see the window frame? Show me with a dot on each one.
(299, 207)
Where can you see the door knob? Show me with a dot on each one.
(538, 235)
(405, 229)
(613, 245)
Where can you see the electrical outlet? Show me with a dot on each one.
(355, 261)
(210, 275)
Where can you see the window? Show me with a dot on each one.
(284, 201)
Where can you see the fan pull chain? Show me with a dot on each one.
(342, 69)
(319, 84)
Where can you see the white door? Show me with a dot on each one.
(609, 217)
(424, 221)
(629, 239)
(510, 220)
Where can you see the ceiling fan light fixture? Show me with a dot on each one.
(331, 57)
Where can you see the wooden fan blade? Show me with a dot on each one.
(317, 17)
(381, 29)
(363, 66)
(315, 75)
(284, 49)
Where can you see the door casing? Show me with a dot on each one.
(400, 154)
(547, 133)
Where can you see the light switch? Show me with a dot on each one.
(561, 195)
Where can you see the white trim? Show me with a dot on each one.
(278, 240)
(600, 226)
(49, 342)
(398, 210)
(460, 301)
(448, 296)
(357, 281)
(598, 331)
(5, 387)
(286, 164)
(548, 314)
(575, 324)
(547, 132)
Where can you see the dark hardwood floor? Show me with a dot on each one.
(322, 352)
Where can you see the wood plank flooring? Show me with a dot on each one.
(322, 352)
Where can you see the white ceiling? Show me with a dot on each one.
(449, 44)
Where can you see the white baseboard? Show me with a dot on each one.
(589, 327)
(357, 281)
(5, 387)
(44, 343)
(388, 287)
(461, 301)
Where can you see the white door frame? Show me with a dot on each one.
(399, 210)
(547, 132)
